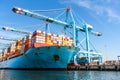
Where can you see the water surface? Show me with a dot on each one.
(58, 75)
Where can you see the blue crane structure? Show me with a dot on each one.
(15, 30)
(88, 55)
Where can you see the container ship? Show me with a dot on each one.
(40, 49)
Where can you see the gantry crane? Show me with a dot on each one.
(4, 45)
(7, 39)
(84, 28)
(15, 30)
(52, 20)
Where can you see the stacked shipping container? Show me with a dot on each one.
(5, 53)
(37, 39)
(1, 56)
(27, 42)
(18, 46)
(12, 49)
(41, 38)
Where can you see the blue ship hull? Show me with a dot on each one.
(52, 57)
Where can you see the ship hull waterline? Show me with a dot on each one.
(42, 58)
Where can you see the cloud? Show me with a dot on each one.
(101, 8)
(86, 4)
(113, 16)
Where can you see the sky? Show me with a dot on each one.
(103, 15)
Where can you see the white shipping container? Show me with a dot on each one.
(60, 39)
(59, 42)
(22, 49)
(42, 42)
(29, 36)
(12, 46)
(49, 34)
(12, 49)
(68, 37)
(55, 38)
(35, 39)
(39, 41)
(43, 35)
(41, 38)
(38, 37)
(5, 51)
(54, 42)
(37, 31)
(24, 39)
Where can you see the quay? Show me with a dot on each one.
(95, 67)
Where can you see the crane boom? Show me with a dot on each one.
(3, 44)
(52, 20)
(2, 38)
(15, 30)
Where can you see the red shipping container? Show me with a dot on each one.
(17, 51)
(8, 50)
(11, 53)
(27, 42)
(36, 45)
(36, 34)
(27, 46)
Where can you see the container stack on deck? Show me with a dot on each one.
(35, 40)
(27, 43)
(41, 38)
(12, 49)
(5, 53)
(38, 38)
(18, 46)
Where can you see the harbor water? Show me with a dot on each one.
(58, 75)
